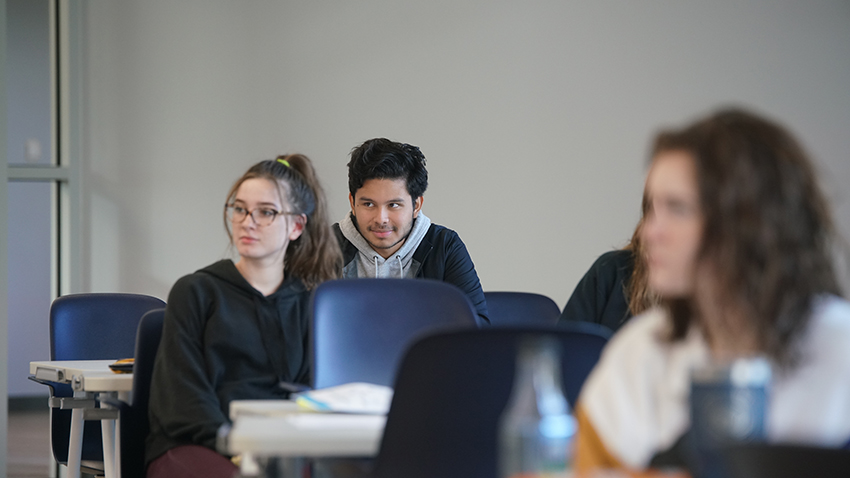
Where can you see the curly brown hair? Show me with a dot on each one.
(767, 225)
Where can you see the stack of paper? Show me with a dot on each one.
(358, 397)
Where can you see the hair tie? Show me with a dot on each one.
(284, 162)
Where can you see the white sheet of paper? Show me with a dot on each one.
(357, 397)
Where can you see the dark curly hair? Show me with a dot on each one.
(767, 225)
(381, 158)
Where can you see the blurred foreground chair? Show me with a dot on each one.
(787, 461)
(361, 327)
(134, 415)
(96, 326)
(521, 308)
(451, 390)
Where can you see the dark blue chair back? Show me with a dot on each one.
(521, 308)
(451, 390)
(761, 460)
(97, 326)
(361, 327)
(134, 417)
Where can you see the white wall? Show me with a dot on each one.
(535, 116)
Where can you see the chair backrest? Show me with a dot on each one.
(451, 390)
(787, 461)
(97, 326)
(521, 308)
(134, 419)
(361, 327)
(94, 326)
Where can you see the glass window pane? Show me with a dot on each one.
(28, 81)
(29, 232)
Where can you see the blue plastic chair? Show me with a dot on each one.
(134, 415)
(96, 326)
(451, 390)
(762, 460)
(361, 327)
(521, 308)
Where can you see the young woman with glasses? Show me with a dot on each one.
(240, 330)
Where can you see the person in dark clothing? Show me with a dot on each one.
(600, 295)
(387, 235)
(240, 330)
(614, 289)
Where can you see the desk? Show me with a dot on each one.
(279, 428)
(88, 378)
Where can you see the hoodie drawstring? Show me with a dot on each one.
(400, 267)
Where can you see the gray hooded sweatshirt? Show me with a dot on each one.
(371, 264)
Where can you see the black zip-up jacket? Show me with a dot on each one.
(442, 256)
(222, 340)
(600, 295)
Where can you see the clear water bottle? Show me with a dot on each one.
(536, 429)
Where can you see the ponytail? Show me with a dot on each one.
(315, 256)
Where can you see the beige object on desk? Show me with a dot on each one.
(279, 428)
(263, 408)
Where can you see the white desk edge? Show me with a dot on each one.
(280, 428)
(94, 375)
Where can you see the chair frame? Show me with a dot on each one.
(452, 388)
(64, 311)
(134, 415)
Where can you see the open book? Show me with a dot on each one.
(357, 397)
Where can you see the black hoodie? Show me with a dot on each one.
(223, 340)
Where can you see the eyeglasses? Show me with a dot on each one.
(262, 216)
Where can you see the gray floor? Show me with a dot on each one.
(29, 439)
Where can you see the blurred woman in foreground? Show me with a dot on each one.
(738, 238)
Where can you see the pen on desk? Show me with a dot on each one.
(293, 387)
